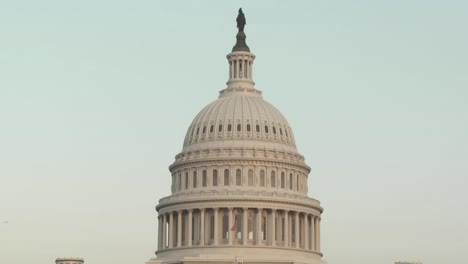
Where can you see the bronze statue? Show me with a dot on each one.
(240, 20)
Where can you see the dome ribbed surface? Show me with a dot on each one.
(239, 120)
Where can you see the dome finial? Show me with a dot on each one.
(241, 45)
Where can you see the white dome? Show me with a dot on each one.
(239, 119)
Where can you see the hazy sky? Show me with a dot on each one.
(96, 97)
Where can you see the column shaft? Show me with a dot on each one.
(318, 234)
(179, 228)
(230, 233)
(171, 230)
(306, 231)
(244, 227)
(189, 233)
(164, 231)
(296, 230)
(286, 228)
(216, 235)
(202, 226)
(259, 227)
(272, 228)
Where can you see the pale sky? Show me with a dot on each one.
(96, 97)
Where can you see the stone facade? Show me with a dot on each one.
(239, 185)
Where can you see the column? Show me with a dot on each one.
(246, 69)
(189, 233)
(230, 232)
(318, 233)
(286, 228)
(164, 231)
(272, 228)
(179, 228)
(202, 226)
(244, 227)
(159, 232)
(306, 231)
(231, 71)
(258, 230)
(171, 229)
(215, 226)
(296, 230)
(250, 70)
(312, 230)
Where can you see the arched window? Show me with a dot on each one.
(186, 180)
(286, 131)
(266, 129)
(262, 178)
(195, 179)
(220, 128)
(204, 180)
(297, 182)
(290, 181)
(274, 130)
(248, 127)
(239, 127)
(282, 180)
(273, 179)
(238, 177)
(257, 128)
(180, 181)
(204, 129)
(281, 131)
(198, 130)
(226, 177)
(250, 176)
(211, 129)
(229, 128)
(215, 178)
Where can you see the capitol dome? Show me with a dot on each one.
(240, 119)
(239, 187)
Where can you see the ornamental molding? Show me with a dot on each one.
(311, 205)
(239, 161)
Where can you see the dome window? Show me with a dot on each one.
(281, 131)
(204, 129)
(257, 128)
(250, 178)
(198, 130)
(195, 182)
(220, 128)
(238, 177)
(180, 182)
(273, 179)
(204, 178)
(248, 127)
(266, 129)
(286, 131)
(262, 178)
(226, 177)
(274, 130)
(239, 127)
(229, 128)
(215, 178)
(282, 180)
(290, 181)
(211, 129)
